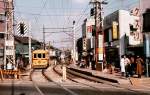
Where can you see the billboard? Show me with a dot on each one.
(89, 27)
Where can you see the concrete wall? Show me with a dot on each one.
(123, 29)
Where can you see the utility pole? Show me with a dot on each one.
(43, 37)
(99, 35)
(9, 54)
(30, 44)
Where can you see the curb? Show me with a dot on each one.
(113, 80)
(91, 74)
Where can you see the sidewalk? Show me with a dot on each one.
(116, 76)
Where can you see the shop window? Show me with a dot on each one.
(2, 17)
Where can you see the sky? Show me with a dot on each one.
(53, 14)
(60, 14)
(114, 5)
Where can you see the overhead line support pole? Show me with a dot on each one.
(30, 44)
(99, 35)
(74, 42)
(43, 37)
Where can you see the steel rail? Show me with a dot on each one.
(34, 83)
(66, 89)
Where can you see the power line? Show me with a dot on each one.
(81, 15)
(46, 8)
(68, 16)
(59, 28)
(58, 32)
(27, 13)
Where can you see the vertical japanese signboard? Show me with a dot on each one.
(9, 51)
(114, 30)
(100, 47)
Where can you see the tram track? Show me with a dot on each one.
(49, 80)
(72, 78)
(35, 83)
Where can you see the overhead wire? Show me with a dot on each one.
(15, 17)
(15, 7)
(37, 17)
(80, 18)
(28, 13)
(67, 16)
(69, 12)
(20, 6)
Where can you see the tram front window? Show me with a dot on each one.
(39, 55)
(43, 55)
(34, 55)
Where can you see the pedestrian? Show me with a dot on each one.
(127, 65)
(55, 62)
(17, 62)
(82, 64)
(132, 67)
(122, 65)
(139, 62)
(21, 63)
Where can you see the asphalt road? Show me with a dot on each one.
(27, 88)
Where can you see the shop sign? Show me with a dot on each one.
(100, 57)
(9, 43)
(135, 11)
(9, 52)
(115, 30)
(135, 38)
(89, 28)
(100, 40)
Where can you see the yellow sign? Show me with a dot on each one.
(100, 50)
(114, 30)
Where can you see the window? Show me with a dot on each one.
(2, 17)
(43, 55)
(34, 55)
(39, 55)
(1, 35)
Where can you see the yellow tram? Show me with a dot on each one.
(40, 58)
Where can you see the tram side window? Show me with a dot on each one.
(43, 55)
(39, 55)
(34, 55)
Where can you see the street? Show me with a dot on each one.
(40, 85)
(27, 88)
(74, 47)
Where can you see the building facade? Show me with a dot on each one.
(123, 33)
(2, 29)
